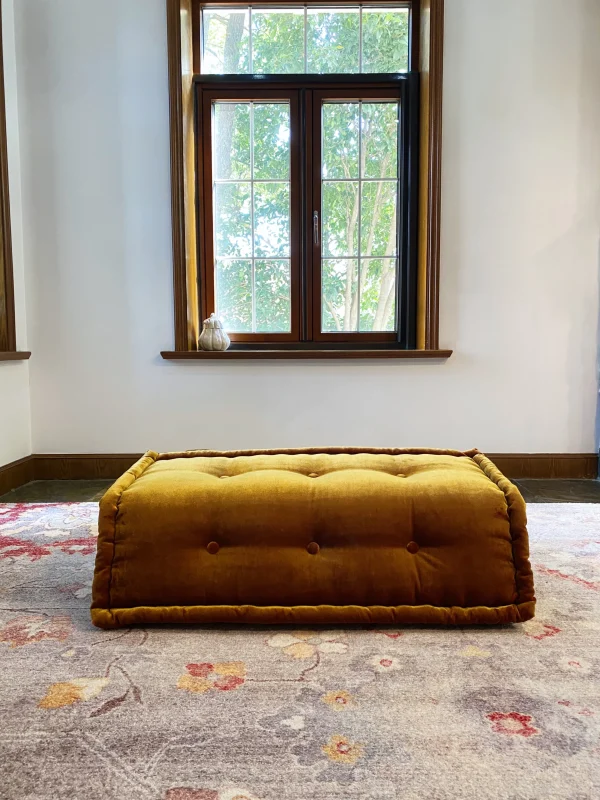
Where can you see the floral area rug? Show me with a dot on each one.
(234, 713)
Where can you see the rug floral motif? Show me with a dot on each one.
(235, 713)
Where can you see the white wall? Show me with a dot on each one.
(520, 285)
(15, 413)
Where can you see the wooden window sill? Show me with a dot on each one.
(14, 356)
(235, 354)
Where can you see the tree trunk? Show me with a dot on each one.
(381, 317)
(231, 58)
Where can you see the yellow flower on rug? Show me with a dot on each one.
(307, 644)
(204, 676)
(338, 701)
(475, 652)
(66, 694)
(339, 749)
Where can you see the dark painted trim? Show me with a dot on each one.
(307, 353)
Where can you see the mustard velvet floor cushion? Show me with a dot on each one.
(313, 536)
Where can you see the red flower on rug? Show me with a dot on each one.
(556, 573)
(204, 676)
(539, 630)
(84, 546)
(514, 724)
(11, 513)
(12, 547)
(29, 629)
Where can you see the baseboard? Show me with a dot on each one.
(566, 466)
(16, 474)
(82, 467)
(90, 466)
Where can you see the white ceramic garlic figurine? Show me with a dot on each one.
(213, 337)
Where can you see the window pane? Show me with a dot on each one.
(279, 36)
(252, 218)
(273, 301)
(340, 218)
(234, 294)
(233, 222)
(379, 226)
(385, 40)
(378, 294)
(271, 220)
(225, 42)
(340, 140)
(278, 41)
(380, 140)
(332, 40)
(232, 141)
(271, 141)
(340, 295)
(360, 217)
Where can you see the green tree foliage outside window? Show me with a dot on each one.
(251, 162)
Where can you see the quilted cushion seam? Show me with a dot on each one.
(114, 542)
(510, 519)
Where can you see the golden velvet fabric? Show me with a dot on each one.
(314, 536)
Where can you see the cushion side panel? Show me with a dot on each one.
(517, 513)
(107, 528)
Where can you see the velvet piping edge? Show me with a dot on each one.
(313, 615)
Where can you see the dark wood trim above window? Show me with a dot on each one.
(426, 56)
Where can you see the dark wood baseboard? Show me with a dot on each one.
(82, 467)
(16, 474)
(110, 466)
(566, 466)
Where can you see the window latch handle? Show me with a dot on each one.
(316, 227)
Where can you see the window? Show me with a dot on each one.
(307, 155)
(309, 39)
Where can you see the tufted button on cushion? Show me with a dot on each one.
(313, 548)
(412, 547)
(313, 475)
(224, 476)
(213, 548)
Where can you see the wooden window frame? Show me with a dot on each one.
(398, 91)
(206, 95)
(426, 58)
(8, 332)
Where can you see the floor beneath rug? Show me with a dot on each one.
(233, 713)
(533, 490)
